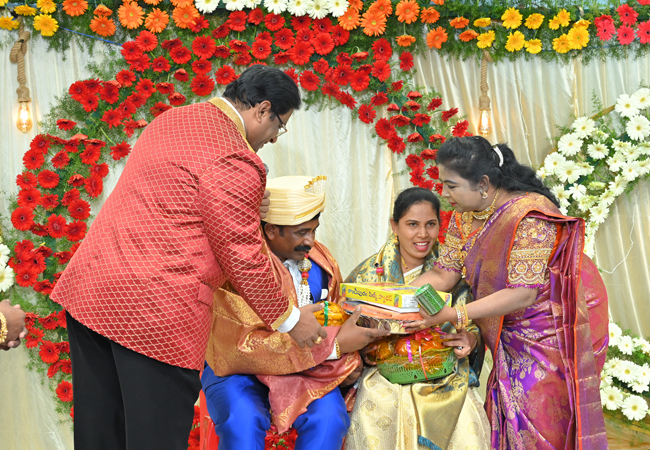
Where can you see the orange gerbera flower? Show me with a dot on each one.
(468, 35)
(405, 40)
(350, 19)
(102, 10)
(407, 11)
(181, 3)
(156, 20)
(385, 7)
(436, 38)
(152, 2)
(131, 15)
(75, 7)
(439, 2)
(356, 4)
(429, 15)
(373, 23)
(184, 16)
(459, 22)
(103, 26)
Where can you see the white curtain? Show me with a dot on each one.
(528, 99)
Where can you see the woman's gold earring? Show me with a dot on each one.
(484, 194)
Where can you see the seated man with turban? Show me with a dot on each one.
(254, 377)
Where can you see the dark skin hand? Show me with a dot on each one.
(352, 337)
(308, 330)
(16, 330)
(266, 201)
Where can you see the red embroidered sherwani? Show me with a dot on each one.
(182, 220)
(295, 376)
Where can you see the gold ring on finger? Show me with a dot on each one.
(318, 341)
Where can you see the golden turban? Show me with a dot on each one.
(295, 200)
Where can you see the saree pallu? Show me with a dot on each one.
(543, 392)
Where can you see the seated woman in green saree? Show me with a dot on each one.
(440, 414)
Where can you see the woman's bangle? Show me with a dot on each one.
(3, 328)
(338, 349)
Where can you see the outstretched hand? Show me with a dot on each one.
(308, 331)
(352, 337)
(16, 330)
(446, 314)
(463, 342)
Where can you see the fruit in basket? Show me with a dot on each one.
(332, 315)
(383, 350)
(401, 346)
(434, 343)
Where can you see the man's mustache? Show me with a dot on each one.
(302, 248)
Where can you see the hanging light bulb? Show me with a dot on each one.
(484, 124)
(24, 122)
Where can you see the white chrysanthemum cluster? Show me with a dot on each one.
(316, 9)
(592, 166)
(633, 376)
(6, 272)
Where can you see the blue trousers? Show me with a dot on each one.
(239, 408)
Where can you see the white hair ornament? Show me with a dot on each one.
(498, 152)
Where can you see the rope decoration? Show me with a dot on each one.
(17, 56)
(484, 100)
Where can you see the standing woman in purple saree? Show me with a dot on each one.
(541, 305)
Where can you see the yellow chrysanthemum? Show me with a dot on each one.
(564, 17)
(482, 22)
(562, 44)
(46, 6)
(46, 24)
(3, 2)
(534, 21)
(515, 41)
(8, 23)
(533, 46)
(25, 10)
(579, 38)
(511, 18)
(485, 40)
(582, 24)
(554, 23)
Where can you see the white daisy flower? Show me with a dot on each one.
(585, 168)
(541, 173)
(619, 146)
(608, 197)
(618, 185)
(252, 4)
(569, 144)
(638, 128)
(552, 162)
(627, 106)
(615, 334)
(7, 277)
(612, 365)
(338, 7)
(644, 148)
(568, 172)
(561, 194)
(298, 7)
(577, 191)
(642, 97)
(611, 397)
(206, 6)
(317, 9)
(625, 345)
(597, 185)
(599, 213)
(616, 161)
(605, 380)
(631, 152)
(4, 254)
(644, 373)
(589, 246)
(627, 370)
(585, 202)
(597, 150)
(643, 344)
(599, 135)
(644, 167)
(634, 407)
(276, 6)
(639, 386)
(235, 5)
(630, 171)
(583, 127)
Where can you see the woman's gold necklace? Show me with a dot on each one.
(468, 219)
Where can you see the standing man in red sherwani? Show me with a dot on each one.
(182, 221)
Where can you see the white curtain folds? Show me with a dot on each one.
(528, 100)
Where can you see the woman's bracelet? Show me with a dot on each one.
(338, 349)
(3, 328)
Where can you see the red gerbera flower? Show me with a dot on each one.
(110, 91)
(342, 74)
(180, 54)
(49, 201)
(26, 179)
(66, 364)
(433, 172)
(48, 352)
(53, 369)
(261, 49)
(421, 119)
(33, 159)
(256, 16)
(48, 179)
(397, 86)
(331, 89)
(406, 61)
(34, 337)
(65, 124)
(25, 278)
(204, 46)
(434, 104)
(367, 113)
(199, 23)
(340, 35)
(112, 117)
(309, 81)
(281, 58)
(625, 35)
(125, 77)
(643, 32)
(242, 59)
(119, 151)
(131, 51)
(63, 322)
(225, 75)
(40, 143)
(414, 162)
(146, 87)
(94, 186)
(49, 322)
(79, 209)
(379, 99)
(400, 120)
(292, 73)
(100, 170)
(396, 144)
(77, 230)
(77, 90)
(359, 81)
(29, 198)
(301, 53)
(238, 45)
(165, 88)
(89, 102)
(382, 50)
(70, 196)
(181, 75)
(411, 105)
(141, 64)
(273, 22)
(347, 100)
(446, 115)
(146, 40)
(200, 67)
(126, 108)
(393, 107)
(381, 70)
(90, 155)
(221, 31)
(76, 180)
(321, 66)
(627, 14)
(323, 43)
(605, 27)
(429, 153)
(301, 22)
(414, 137)
(460, 128)
(161, 64)
(322, 25)
(160, 107)
(171, 43)
(23, 247)
(176, 99)
(237, 20)
(93, 85)
(384, 128)
(222, 52)
(64, 391)
(56, 226)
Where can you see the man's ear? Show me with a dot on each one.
(271, 231)
(263, 109)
